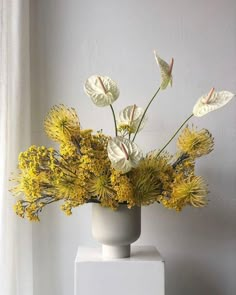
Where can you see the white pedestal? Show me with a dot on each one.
(141, 274)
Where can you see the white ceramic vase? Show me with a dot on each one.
(116, 230)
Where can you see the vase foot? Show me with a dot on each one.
(113, 252)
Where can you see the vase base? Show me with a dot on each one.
(114, 252)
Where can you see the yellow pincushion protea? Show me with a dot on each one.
(101, 187)
(152, 178)
(62, 124)
(195, 143)
(190, 191)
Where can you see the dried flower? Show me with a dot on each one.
(190, 191)
(195, 143)
(62, 124)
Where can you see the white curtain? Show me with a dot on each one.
(16, 267)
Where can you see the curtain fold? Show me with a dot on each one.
(16, 267)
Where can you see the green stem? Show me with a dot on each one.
(174, 135)
(144, 113)
(114, 117)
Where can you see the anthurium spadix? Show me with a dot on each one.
(166, 71)
(129, 119)
(102, 90)
(211, 101)
(123, 154)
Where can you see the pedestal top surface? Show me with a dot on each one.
(138, 253)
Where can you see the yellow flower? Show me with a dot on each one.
(68, 150)
(100, 187)
(31, 212)
(184, 166)
(195, 143)
(26, 209)
(151, 178)
(72, 187)
(68, 205)
(190, 191)
(29, 184)
(19, 209)
(123, 188)
(62, 124)
(38, 169)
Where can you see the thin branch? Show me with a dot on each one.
(174, 134)
(114, 118)
(180, 160)
(144, 113)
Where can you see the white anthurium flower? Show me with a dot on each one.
(166, 71)
(102, 90)
(123, 154)
(211, 101)
(129, 119)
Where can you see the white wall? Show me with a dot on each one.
(73, 39)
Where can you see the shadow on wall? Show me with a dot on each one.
(193, 279)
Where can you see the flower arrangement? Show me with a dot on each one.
(94, 167)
